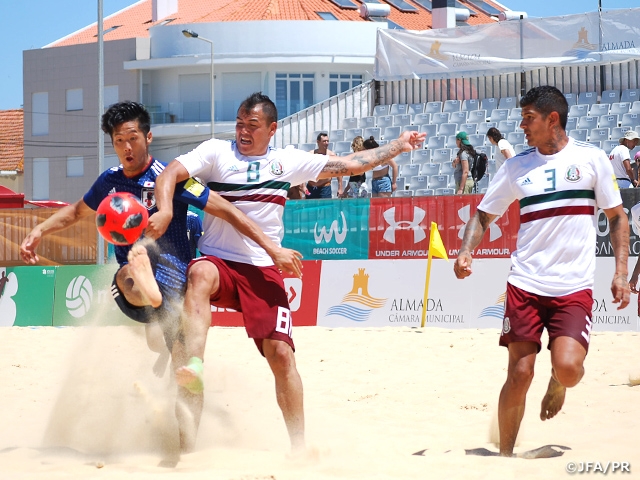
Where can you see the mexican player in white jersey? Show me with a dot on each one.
(560, 184)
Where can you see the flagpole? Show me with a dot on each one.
(426, 283)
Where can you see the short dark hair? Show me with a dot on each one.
(547, 99)
(126, 111)
(257, 98)
(322, 134)
(370, 143)
(494, 134)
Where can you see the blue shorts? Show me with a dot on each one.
(320, 192)
(381, 185)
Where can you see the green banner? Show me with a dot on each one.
(326, 229)
(26, 296)
(83, 296)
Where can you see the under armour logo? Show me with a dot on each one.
(465, 215)
(333, 230)
(418, 231)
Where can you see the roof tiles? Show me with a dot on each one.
(135, 20)
(12, 140)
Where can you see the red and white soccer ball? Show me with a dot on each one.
(121, 218)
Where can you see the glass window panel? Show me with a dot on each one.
(294, 97)
(40, 114)
(326, 15)
(345, 4)
(333, 89)
(308, 94)
(402, 6)
(426, 4)
(484, 6)
(75, 166)
(74, 99)
(40, 179)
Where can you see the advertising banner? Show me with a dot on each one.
(630, 197)
(509, 46)
(83, 296)
(399, 227)
(26, 296)
(303, 299)
(326, 229)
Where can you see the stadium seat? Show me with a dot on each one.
(398, 109)
(451, 106)
(477, 140)
(618, 132)
(430, 129)
(424, 192)
(350, 123)
(410, 170)
(506, 126)
(441, 155)
(609, 145)
(403, 193)
(515, 137)
(488, 150)
(578, 110)
(380, 110)
(375, 132)
(515, 114)
(579, 134)
(351, 133)
(635, 107)
(572, 98)
(436, 142)
(587, 98)
(499, 114)
(433, 107)
(400, 183)
(477, 116)
(337, 136)
(630, 120)
(508, 102)
(411, 128)
(391, 133)
(620, 108)
(415, 108)
(341, 147)
(599, 134)
(595, 143)
(421, 118)
(446, 129)
(572, 122)
(421, 156)
(440, 118)
(446, 168)
(438, 181)
(610, 96)
(491, 167)
(307, 147)
(630, 95)
(458, 117)
(470, 128)
(470, 104)
(384, 121)
(428, 169)
(588, 122)
(488, 105)
(451, 142)
(598, 109)
(403, 159)
(484, 127)
(483, 183)
(519, 148)
(419, 181)
(402, 120)
(367, 122)
(445, 191)
(606, 121)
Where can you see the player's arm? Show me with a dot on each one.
(619, 234)
(627, 167)
(365, 160)
(63, 218)
(473, 234)
(164, 191)
(394, 174)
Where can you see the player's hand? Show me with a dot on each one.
(462, 265)
(288, 261)
(620, 291)
(411, 140)
(633, 283)
(157, 225)
(29, 245)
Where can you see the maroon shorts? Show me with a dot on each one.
(526, 314)
(257, 292)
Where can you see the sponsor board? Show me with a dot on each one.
(26, 295)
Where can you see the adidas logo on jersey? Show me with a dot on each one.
(113, 190)
(526, 182)
(233, 168)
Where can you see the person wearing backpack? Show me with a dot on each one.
(462, 164)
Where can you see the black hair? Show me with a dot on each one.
(467, 148)
(268, 108)
(547, 99)
(494, 134)
(322, 134)
(370, 143)
(126, 111)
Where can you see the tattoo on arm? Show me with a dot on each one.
(367, 158)
(474, 231)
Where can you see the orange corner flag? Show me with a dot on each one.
(436, 247)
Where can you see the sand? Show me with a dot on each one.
(83, 403)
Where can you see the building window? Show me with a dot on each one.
(40, 113)
(294, 92)
(74, 99)
(75, 166)
(341, 82)
(110, 95)
(40, 179)
(326, 16)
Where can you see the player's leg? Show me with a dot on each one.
(289, 392)
(522, 357)
(136, 280)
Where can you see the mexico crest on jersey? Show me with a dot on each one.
(573, 174)
(148, 198)
(276, 169)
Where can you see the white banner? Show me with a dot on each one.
(378, 293)
(509, 46)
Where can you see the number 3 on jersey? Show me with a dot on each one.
(283, 322)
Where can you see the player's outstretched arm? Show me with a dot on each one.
(365, 160)
(63, 218)
(285, 259)
(619, 234)
(473, 234)
(164, 191)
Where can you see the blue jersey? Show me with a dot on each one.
(172, 253)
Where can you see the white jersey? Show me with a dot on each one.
(559, 198)
(256, 185)
(617, 156)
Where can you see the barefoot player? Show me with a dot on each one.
(560, 186)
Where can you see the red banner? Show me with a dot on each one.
(399, 227)
(303, 299)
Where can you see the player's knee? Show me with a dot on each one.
(568, 372)
(521, 375)
(280, 356)
(203, 275)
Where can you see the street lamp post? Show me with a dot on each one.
(192, 34)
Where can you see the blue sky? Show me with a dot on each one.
(33, 24)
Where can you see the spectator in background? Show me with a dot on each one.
(461, 164)
(382, 184)
(636, 166)
(322, 187)
(505, 149)
(620, 158)
(357, 187)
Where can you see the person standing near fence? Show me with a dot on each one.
(462, 164)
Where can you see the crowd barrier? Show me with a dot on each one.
(365, 266)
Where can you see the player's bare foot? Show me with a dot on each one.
(190, 376)
(553, 400)
(142, 275)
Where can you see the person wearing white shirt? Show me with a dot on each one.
(505, 149)
(620, 158)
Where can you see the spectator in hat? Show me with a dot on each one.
(505, 149)
(462, 162)
(620, 158)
